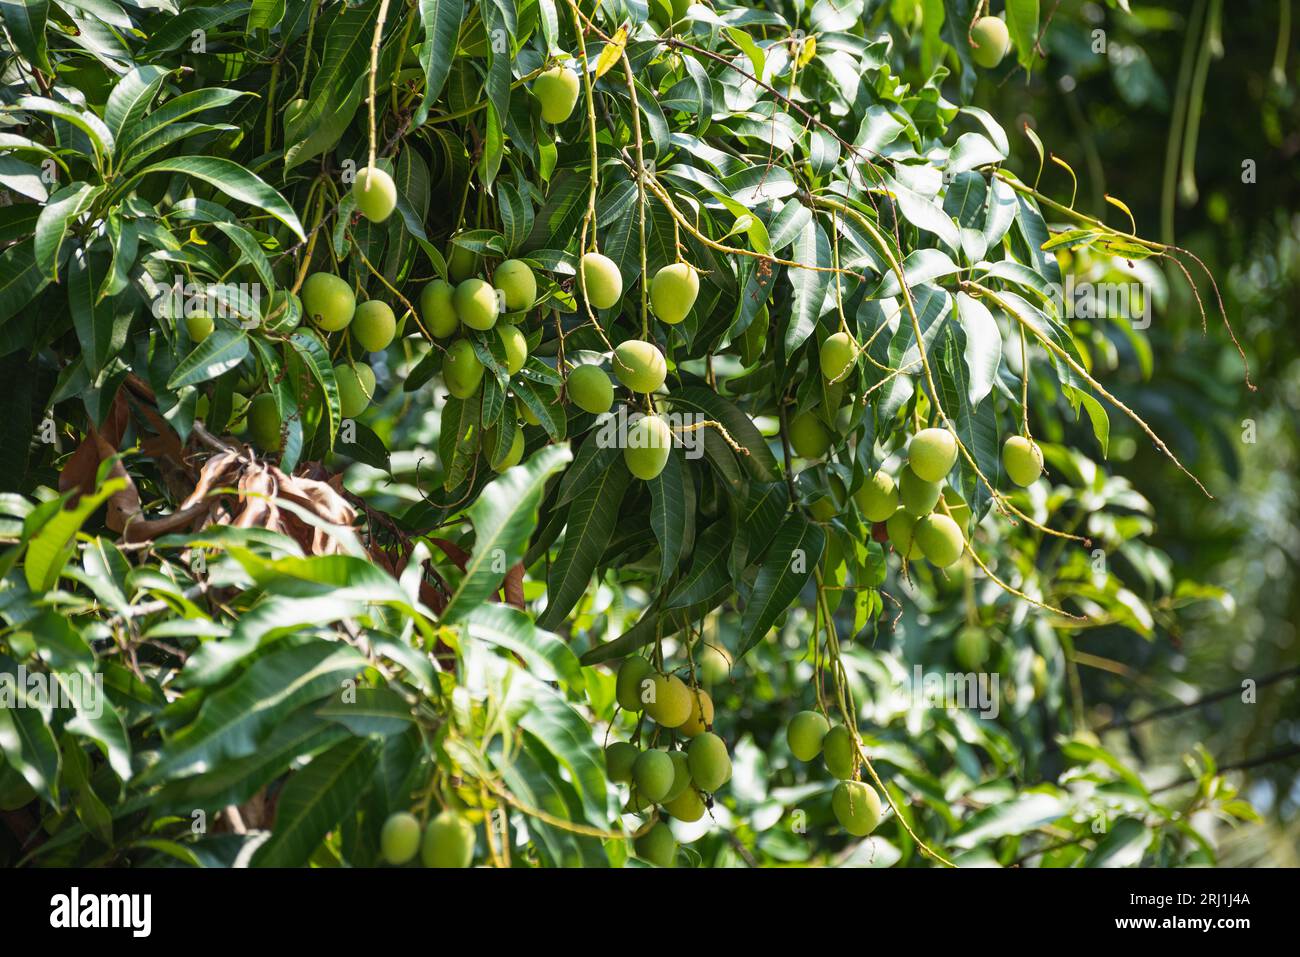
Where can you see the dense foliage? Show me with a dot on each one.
(328, 576)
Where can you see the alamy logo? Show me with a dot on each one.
(36, 689)
(976, 691)
(615, 432)
(73, 910)
(240, 301)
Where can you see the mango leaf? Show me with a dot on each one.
(786, 567)
(504, 517)
(233, 180)
(220, 352)
(315, 801)
(591, 521)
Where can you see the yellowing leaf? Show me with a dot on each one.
(612, 53)
(807, 50)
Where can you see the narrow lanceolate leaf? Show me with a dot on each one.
(20, 279)
(29, 747)
(760, 461)
(98, 331)
(441, 22)
(131, 97)
(976, 426)
(315, 801)
(504, 517)
(668, 514)
(785, 569)
(511, 629)
(25, 20)
(812, 248)
(233, 721)
(233, 180)
(85, 120)
(316, 358)
(56, 218)
(592, 518)
(983, 352)
(709, 572)
(1022, 24)
(53, 543)
(219, 352)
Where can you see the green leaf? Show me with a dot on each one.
(315, 801)
(233, 721)
(441, 22)
(983, 352)
(54, 542)
(178, 30)
(316, 358)
(20, 279)
(63, 208)
(101, 139)
(786, 567)
(29, 745)
(504, 516)
(1123, 846)
(668, 514)
(25, 21)
(131, 97)
(709, 567)
(233, 180)
(545, 654)
(592, 518)
(1022, 24)
(220, 352)
(760, 461)
(812, 248)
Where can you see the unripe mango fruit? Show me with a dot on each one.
(837, 749)
(808, 437)
(199, 325)
(438, 308)
(940, 539)
(901, 527)
(837, 355)
(1023, 460)
(687, 806)
(461, 263)
(501, 461)
(375, 193)
(356, 388)
(857, 807)
(590, 389)
(990, 42)
(805, 734)
(461, 369)
(649, 443)
(670, 703)
(476, 304)
(602, 280)
(399, 839)
(516, 281)
(932, 453)
(619, 758)
(629, 683)
(653, 775)
(264, 422)
(701, 715)
(681, 775)
(878, 497)
(917, 495)
(516, 346)
(448, 841)
(673, 291)
(657, 845)
(709, 762)
(329, 301)
(640, 365)
(557, 91)
(971, 649)
(374, 325)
